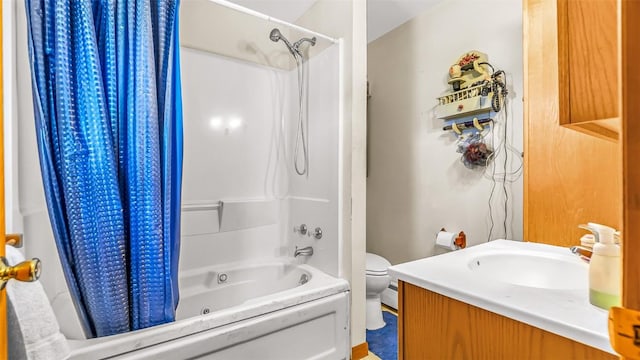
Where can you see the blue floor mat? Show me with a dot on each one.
(384, 342)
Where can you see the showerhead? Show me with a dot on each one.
(275, 35)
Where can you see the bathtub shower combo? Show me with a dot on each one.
(261, 184)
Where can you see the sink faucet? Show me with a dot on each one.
(305, 251)
(583, 252)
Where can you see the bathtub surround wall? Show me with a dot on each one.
(313, 199)
(347, 20)
(416, 182)
(228, 136)
(254, 117)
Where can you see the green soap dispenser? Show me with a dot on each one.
(605, 277)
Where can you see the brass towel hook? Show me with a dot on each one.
(28, 270)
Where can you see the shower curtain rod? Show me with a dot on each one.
(247, 11)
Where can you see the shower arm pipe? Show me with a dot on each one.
(247, 11)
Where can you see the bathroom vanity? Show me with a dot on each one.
(499, 300)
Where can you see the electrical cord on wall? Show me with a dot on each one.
(497, 86)
(493, 186)
(499, 90)
(504, 177)
(499, 102)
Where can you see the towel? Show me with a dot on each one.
(34, 333)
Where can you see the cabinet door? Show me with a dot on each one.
(588, 64)
(569, 178)
(433, 326)
(631, 148)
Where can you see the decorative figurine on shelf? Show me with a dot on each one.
(468, 70)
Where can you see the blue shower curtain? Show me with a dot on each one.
(108, 116)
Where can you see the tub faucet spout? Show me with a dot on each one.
(305, 251)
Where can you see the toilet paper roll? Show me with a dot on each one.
(446, 240)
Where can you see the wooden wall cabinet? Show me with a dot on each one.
(588, 66)
(569, 178)
(433, 326)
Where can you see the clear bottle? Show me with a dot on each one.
(605, 277)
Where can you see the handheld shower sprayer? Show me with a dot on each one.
(276, 36)
(301, 135)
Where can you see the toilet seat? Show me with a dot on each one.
(376, 273)
(376, 265)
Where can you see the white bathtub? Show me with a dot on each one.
(220, 287)
(271, 310)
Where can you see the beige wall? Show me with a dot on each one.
(347, 20)
(416, 183)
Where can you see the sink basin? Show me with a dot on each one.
(547, 271)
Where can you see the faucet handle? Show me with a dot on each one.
(302, 229)
(317, 233)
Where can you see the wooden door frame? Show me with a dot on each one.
(630, 147)
(3, 293)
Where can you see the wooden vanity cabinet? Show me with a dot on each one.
(588, 66)
(433, 326)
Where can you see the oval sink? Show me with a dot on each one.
(539, 271)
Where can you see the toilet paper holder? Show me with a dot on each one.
(460, 240)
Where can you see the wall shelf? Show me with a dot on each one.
(465, 102)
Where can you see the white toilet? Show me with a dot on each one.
(377, 282)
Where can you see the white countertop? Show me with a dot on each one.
(564, 312)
